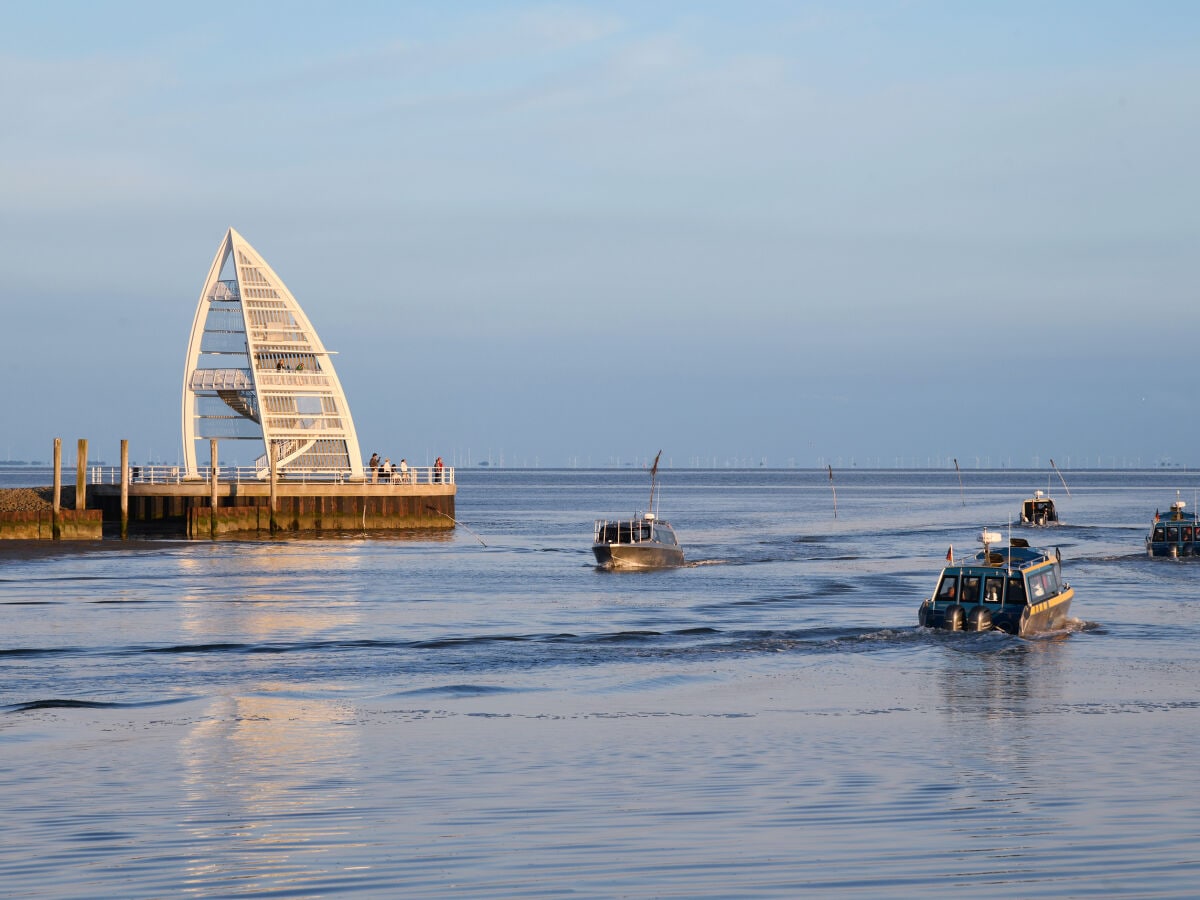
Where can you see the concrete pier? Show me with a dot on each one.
(187, 508)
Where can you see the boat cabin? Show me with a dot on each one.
(1175, 534)
(1039, 510)
(633, 531)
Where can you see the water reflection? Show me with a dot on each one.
(266, 591)
(269, 783)
(998, 676)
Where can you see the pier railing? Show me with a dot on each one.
(158, 474)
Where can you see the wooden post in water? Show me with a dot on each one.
(271, 462)
(124, 489)
(57, 500)
(81, 475)
(212, 499)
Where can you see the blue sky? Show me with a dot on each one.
(577, 232)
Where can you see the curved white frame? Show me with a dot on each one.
(287, 386)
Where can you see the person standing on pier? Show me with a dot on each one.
(374, 467)
(438, 466)
(403, 470)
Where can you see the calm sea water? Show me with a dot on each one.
(494, 716)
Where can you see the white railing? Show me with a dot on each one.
(158, 474)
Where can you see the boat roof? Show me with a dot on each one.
(1018, 557)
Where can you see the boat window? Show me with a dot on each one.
(1172, 533)
(1051, 578)
(970, 589)
(1187, 533)
(1038, 587)
(948, 589)
(664, 535)
(993, 589)
(1160, 533)
(1016, 592)
(644, 532)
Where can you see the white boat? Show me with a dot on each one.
(641, 542)
(1039, 510)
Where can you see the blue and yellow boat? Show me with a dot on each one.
(1018, 589)
(1175, 534)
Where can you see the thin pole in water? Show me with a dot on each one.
(653, 475)
(833, 487)
(1060, 477)
(960, 487)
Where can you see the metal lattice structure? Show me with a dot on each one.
(256, 370)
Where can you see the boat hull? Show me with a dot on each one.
(642, 555)
(1172, 549)
(1048, 615)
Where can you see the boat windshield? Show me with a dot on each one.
(664, 535)
(1043, 584)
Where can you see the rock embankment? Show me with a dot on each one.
(35, 499)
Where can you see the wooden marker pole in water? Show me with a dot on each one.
(56, 502)
(834, 489)
(81, 475)
(1060, 478)
(212, 497)
(124, 489)
(960, 487)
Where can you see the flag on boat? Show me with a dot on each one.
(950, 554)
(1156, 515)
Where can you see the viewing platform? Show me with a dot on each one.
(257, 374)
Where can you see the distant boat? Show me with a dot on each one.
(642, 542)
(1019, 589)
(1174, 535)
(1039, 510)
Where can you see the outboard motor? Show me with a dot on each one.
(953, 617)
(979, 619)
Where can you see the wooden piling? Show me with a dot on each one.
(271, 462)
(81, 460)
(124, 489)
(57, 501)
(212, 499)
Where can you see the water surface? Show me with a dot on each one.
(488, 714)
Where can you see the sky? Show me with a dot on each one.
(555, 234)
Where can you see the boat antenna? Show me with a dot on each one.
(833, 487)
(960, 487)
(653, 476)
(1060, 477)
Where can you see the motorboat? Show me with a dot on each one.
(641, 542)
(1018, 589)
(1175, 534)
(1039, 510)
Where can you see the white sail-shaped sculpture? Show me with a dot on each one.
(256, 370)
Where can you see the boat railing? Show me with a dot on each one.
(627, 531)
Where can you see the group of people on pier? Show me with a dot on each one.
(383, 471)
